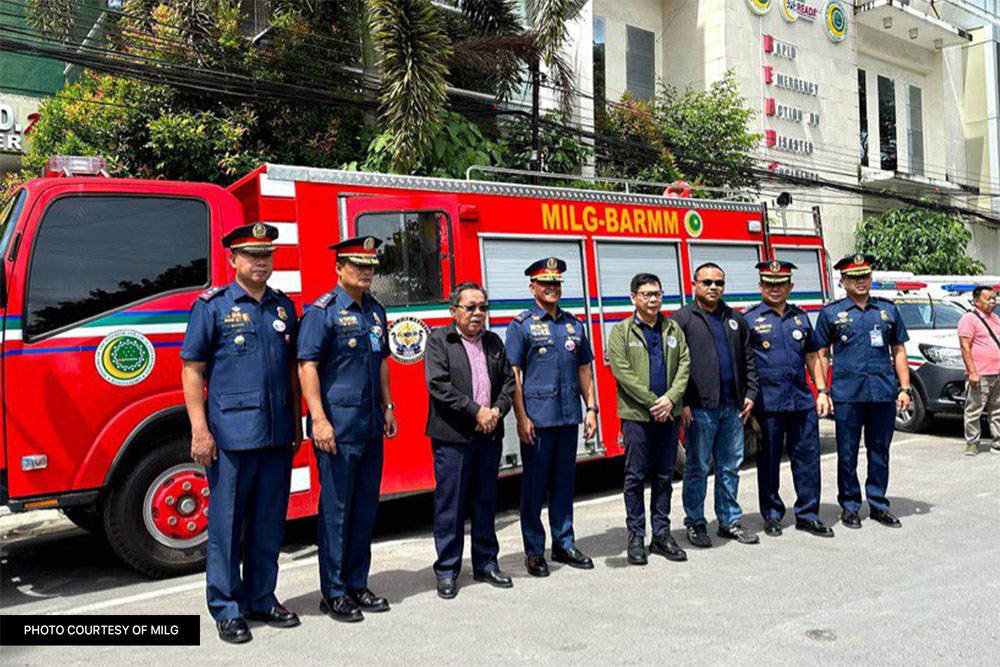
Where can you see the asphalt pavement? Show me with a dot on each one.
(925, 594)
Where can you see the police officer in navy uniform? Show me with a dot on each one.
(784, 347)
(245, 428)
(550, 352)
(344, 370)
(867, 335)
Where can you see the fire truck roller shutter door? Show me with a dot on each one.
(808, 277)
(617, 262)
(504, 260)
(738, 261)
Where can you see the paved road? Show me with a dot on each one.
(926, 594)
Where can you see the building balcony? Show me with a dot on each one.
(900, 20)
(909, 184)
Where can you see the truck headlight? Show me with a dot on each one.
(949, 357)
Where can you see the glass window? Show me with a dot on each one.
(95, 254)
(927, 314)
(640, 63)
(915, 129)
(409, 269)
(8, 219)
(863, 108)
(600, 91)
(887, 123)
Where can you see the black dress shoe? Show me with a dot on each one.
(494, 578)
(816, 527)
(341, 608)
(772, 527)
(277, 617)
(667, 547)
(368, 601)
(735, 531)
(636, 553)
(850, 519)
(698, 536)
(886, 518)
(536, 566)
(572, 557)
(234, 631)
(447, 588)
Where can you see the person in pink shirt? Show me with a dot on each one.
(979, 334)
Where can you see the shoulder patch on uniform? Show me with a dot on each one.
(521, 317)
(323, 301)
(209, 294)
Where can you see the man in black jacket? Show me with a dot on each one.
(719, 397)
(471, 386)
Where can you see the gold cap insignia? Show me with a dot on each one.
(775, 266)
(859, 259)
(369, 243)
(259, 230)
(552, 263)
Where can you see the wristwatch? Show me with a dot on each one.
(906, 390)
(824, 391)
(389, 406)
(592, 408)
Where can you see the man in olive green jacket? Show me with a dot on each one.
(649, 359)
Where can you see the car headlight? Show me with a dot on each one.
(949, 357)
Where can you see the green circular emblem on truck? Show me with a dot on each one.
(693, 224)
(125, 357)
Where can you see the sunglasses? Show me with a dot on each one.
(709, 283)
(648, 296)
(482, 308)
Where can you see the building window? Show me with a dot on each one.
(863, 114)
(640, 63)
(915, 129)
(97, 254)
(887, 123)
(600, 91)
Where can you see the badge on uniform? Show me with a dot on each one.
(282, 314)
(733, 325)
(671, 341)
(278, 325)
(796, 334)
(766, 345)
(377, 330)
(570, 344)
(352, 343)
(239, 340)
(842, 315)
(570, 329)
(885, 315)
(374, 341)
(876, 337)
(375, 316)
(798, 321)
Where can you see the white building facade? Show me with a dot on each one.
(896, 96)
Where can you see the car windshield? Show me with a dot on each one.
(928, 314)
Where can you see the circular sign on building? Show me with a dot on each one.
(693, 224)
(787, 10)
(759, 7)
(835, 19)
(408, 339)
(125, 357)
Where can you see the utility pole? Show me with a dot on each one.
(536, 140)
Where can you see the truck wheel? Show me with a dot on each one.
(915, 418)
(156, 517)
(87, 517)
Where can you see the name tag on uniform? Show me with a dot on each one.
(375, 341)
(876, 337)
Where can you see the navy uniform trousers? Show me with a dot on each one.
(248, 486)
(878, 421)
(796, 432)
(549, 474)
(348, 500)
(465, 478)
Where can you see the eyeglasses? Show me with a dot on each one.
(709, 283)
(649, 296)
(481, 307)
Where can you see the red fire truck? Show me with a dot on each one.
(99, 274)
